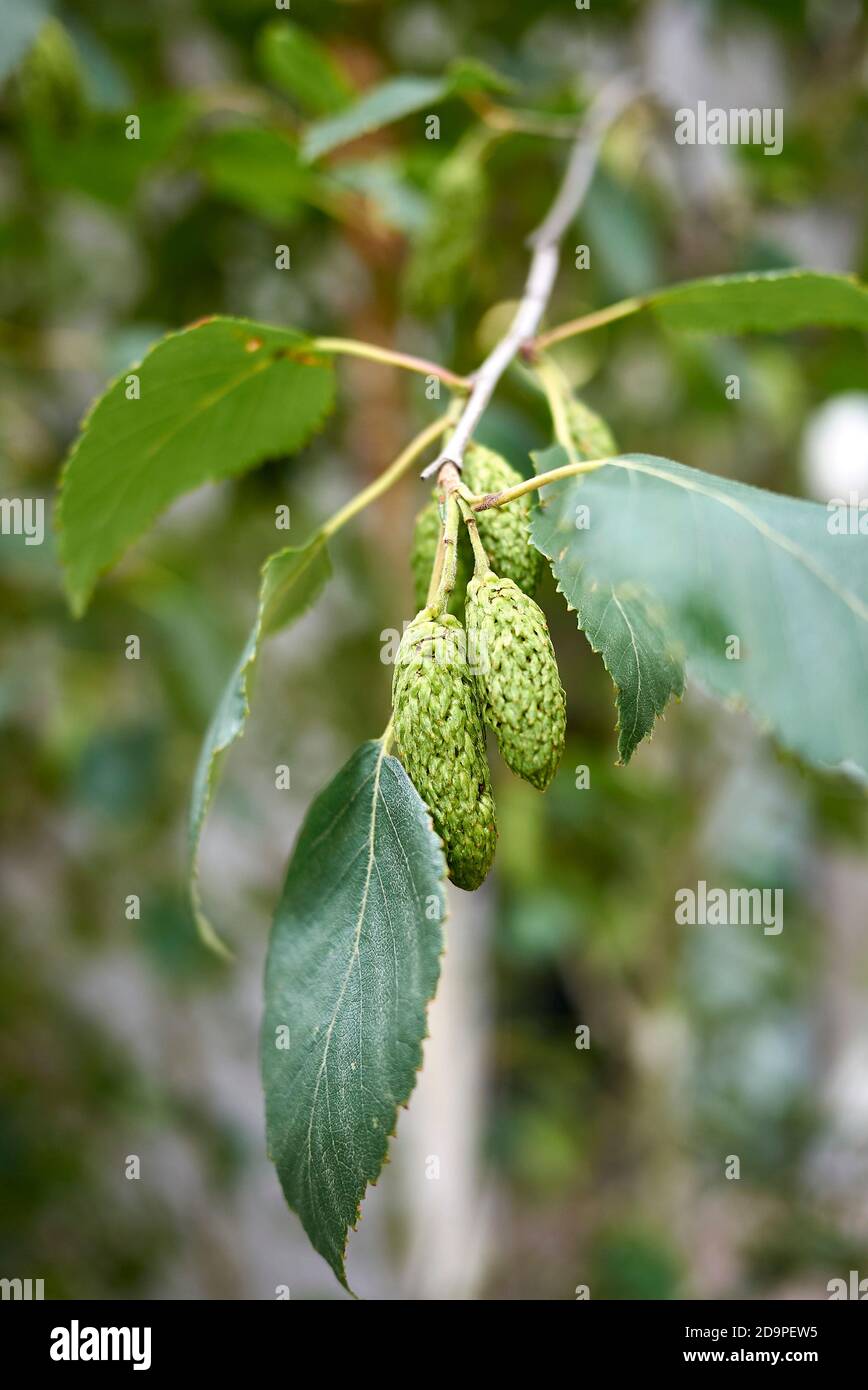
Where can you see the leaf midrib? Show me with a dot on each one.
(353, 957)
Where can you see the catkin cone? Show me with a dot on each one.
(516, 672)
(441, 742)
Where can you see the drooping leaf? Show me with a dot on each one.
(353, 962)
(213, 400)
(767, 602)
(294, 61)
(620, 623)
(396, 98)
(622, 626)
(773, 301)
(381, 105)
(291, 581)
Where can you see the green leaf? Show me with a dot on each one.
(381, 105)
(259, 169)
(622, 625)
(398, 97)
(215, 399)
(718, 560)
(353, 962)
(619, 622)
(302, 67)
(291, 581)
(772, 301)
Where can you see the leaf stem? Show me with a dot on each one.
(516, 120)
(350, 347)
(390, 475)
(510, 494)
(597, 319)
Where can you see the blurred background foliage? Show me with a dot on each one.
(602, 1166)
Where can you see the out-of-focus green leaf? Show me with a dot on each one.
(623, 237)
(294, 61)
(95, 155)
(259, 169)
(212, 401)
(291, 581)
(395, 98)
(353, 962)
(397, 201)
(769, 606)
(388, 102)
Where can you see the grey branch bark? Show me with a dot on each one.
(545, 244)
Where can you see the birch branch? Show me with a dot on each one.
(545, 244)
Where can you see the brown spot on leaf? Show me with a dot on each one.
(304, 357)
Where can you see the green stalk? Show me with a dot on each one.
(449, 545)
(481, 562)
(351, 348)
(390, 475)
(555, 475)
(586, 323)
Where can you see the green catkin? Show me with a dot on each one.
(516, 672)
(452, 235)
(51, 81)
(591, 436)
(503, 532)
(441, 742)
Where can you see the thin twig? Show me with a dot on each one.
(545, 242)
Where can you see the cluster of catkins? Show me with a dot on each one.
(497, 668)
